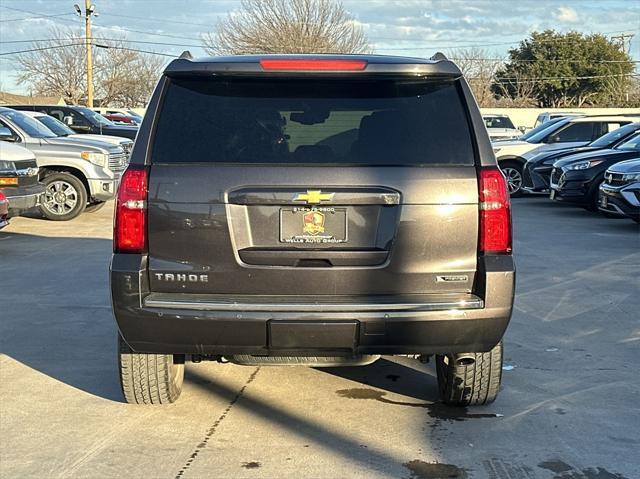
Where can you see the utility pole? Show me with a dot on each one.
(89, 10)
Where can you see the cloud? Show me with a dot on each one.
(566, 15)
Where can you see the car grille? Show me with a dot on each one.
(117, 161)
(615, 179)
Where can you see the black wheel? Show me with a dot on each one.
(513, 173)
(149, 378)
(593, 197)
(64, 197)
(470, 379)
(93, 207)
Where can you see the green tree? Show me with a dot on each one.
(567, 69)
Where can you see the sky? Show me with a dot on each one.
(408, 27)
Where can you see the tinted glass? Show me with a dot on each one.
(632, 143)
(537, 131)
(93, 117)
(614, 136)
(498, 122)
(55, 125)
(377, 122)
(31, 127)
(582, 131)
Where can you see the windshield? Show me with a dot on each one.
(550, 126)
(55, 125)
(632, 144)
(93, 117)
(539, 128)
(614, 136)
(31, 127)
(373, 122)
(498, 122)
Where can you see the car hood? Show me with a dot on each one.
(628, 166)
(112, 140)
(549, 157)
(124, 131)
(73, 144)
(608, 155)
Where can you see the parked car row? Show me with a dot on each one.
(78, 157)
(591, 161)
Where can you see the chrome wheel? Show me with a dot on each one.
(514, 179)
(60, 197)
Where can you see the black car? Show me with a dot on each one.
(82, 119)
(537, 171)
(577, 178)
(620, 190)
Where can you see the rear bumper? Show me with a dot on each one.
(193, 325)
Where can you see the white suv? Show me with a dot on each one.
(557, 134)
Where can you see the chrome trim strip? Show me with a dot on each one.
(474, 303)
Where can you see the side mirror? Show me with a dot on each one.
(68, 120)
(6, 134)
(523, 129)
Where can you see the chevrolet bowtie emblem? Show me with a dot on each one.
(313, 197)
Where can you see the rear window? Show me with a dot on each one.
(372, 122)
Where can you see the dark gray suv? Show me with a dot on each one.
(317, 210)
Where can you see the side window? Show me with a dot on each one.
(76, 118)
(582, 131)
(609, 127)
(55, 113)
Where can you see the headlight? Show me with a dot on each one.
(584, 165)
(7, 166)
(98, 159)
(627, 177)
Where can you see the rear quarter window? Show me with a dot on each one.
(369, 122)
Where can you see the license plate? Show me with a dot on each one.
(308, 225)
(552, 194)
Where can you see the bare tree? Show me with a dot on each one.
(56, 67)
(479, 67)
(287, 26)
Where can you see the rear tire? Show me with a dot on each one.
(149, 378)
(470, 384)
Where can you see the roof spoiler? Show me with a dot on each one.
(437, 66)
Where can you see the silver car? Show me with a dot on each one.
(79, 175)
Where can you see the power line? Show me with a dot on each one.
(108, 47)
(40, 49)
(152, 19)
(33, 17)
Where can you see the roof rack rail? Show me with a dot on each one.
(186, 54)
(438, 56)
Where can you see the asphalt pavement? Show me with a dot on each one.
(569, 407)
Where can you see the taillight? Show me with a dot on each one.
(130, 223)
(312, 64)
(495, 212)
